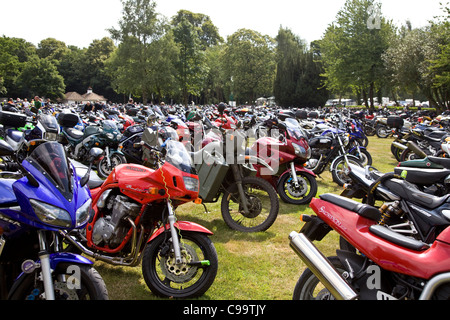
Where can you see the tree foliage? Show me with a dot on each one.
(249, 64)
(361, 55)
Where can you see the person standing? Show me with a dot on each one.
(37, 103)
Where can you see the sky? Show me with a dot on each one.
(80, 22)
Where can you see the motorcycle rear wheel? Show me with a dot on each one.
(263, 205)
(167, 279)
(309, 287)
(382, 131)
(302, 195)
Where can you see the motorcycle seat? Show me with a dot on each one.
(411, 193)
(74, 133)
(363, 210)
(445, 162)
(424, 177)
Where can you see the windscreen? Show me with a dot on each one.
(50, 159)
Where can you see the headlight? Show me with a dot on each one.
(110, 136)
(83, 213)
(191, 183)
(299, 151)
(119, 136)
(51, 215)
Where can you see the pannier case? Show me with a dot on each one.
(68, 120)
(395, 122)
(11, 119)
(210, 177)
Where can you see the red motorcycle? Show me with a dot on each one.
(286, 156)
(134, 221)
(386, 265)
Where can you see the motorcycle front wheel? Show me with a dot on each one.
(302, 194)
(339, 169)
(191, 278)
(262, 202)
(104, 169)
(89, 286)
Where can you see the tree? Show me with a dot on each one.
(143, 50)
(14, 52)
(249, 65)
(352, 49)
(207, 32)
(41, 77)
(191, 64)
(298, 80)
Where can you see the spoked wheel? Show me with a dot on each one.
(262, 201)
(192, 277)
(104, 169)
(301, 194)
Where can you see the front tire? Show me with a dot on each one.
(339, 169)
(104, 170)
(91, 287)
(303, 194)
(167, 279)
(263, 205)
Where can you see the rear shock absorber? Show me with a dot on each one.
(387, 210)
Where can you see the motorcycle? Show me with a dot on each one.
(248, 203)
(287, 156)
(134, 220)
(330, 150)
(429, 140)
(41, 197)
(79, 143)
(388, 265)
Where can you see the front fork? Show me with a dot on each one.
(173, 231)
(238, 178)
(108, 158)
(46, 271)
(294, 175)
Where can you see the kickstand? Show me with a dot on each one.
(206, 209)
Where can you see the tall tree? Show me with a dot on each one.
(143, 48)
(249, 65)
(352, 49)
(299, 69)
(191, 63)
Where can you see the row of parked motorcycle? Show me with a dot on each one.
(394, 227)
(107, 184)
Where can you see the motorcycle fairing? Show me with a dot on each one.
(389, 256)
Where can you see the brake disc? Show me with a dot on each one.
(183, 272)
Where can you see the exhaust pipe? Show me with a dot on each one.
(416, 149)
(399, 145)
(321, 267)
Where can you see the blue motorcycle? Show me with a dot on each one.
(41, 198)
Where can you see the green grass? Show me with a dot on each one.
(255, 266)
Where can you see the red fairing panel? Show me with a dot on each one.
(355, 229)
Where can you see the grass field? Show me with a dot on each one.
(256, 266)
